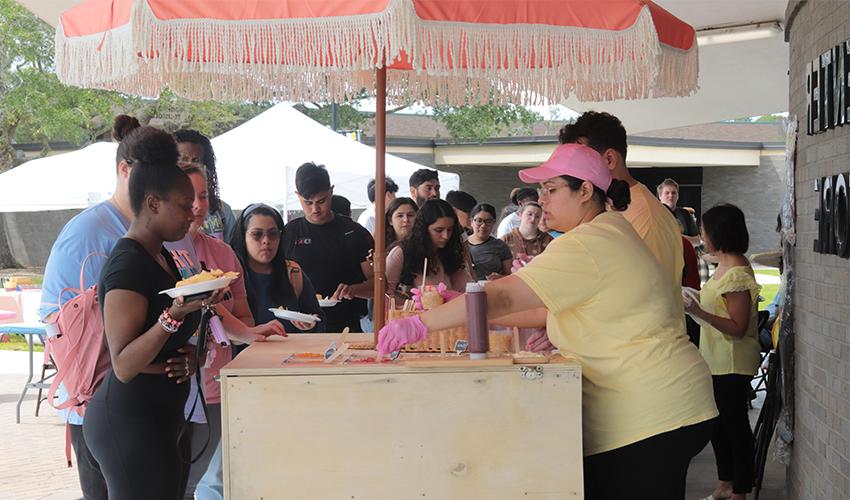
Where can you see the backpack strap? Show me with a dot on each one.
(296, 277)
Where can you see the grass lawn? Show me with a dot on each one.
(768, 291)
(18, 343)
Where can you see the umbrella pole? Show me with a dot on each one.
(380, 198)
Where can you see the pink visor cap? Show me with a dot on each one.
(575, 160)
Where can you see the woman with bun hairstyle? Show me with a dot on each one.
(647, 405)
(133, 422)
(88, 238)
(195, 150)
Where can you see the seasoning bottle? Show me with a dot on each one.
(476, 321)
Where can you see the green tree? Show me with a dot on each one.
(481, 122)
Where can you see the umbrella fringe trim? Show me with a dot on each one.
(595, 65)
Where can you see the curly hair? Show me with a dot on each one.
(417, 246)
(195, 137)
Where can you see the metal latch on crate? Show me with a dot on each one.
(531, 372)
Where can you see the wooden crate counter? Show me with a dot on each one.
(395, 431)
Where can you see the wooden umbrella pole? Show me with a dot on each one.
(380, 197)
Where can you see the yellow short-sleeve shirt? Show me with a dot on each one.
(658, 229)
(610, 306)
(724, 354)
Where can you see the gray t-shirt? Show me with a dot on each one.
(487, 257)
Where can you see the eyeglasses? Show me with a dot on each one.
(549, 191)
(257, 234)
(482, 222)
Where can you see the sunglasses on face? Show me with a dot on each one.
(258, 234)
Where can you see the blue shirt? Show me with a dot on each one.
(95, 230)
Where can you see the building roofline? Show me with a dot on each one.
(633, 140)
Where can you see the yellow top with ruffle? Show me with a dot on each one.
(725, 354)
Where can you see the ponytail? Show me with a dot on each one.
(618, 193)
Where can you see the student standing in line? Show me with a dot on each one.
(728, 307)
(367, 218)
(92, 233)
(401, 214)
(133, 423)
(424, 185)
(331, 249)
(491, 257)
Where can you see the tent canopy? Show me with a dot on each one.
(255, 162)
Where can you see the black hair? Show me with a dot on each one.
(461, 200)
(483, 207)
(281, 288)
(602, 131)
(195, 137)
(340, 205)
(418, 246)
(726, 228)
(389, 185)
(524, 194)
(153, 154)
(618, 192)
(390, 236)
(311, 179)
(123, 125)
(423, 175)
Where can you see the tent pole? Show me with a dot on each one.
(380, 198)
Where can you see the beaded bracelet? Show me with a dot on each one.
(169, 324)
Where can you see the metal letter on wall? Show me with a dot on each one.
(838, 86)
(824, 217)
(826, 69)
(814, 115)
(840, 212)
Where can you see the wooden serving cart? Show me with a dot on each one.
(424, 426)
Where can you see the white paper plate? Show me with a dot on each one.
(204, 286)
(293, 315)
(328, 302)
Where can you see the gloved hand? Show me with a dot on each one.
(519, 262)
(442, 289)
(400, 333)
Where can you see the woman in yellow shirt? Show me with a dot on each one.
(647, 405)
(728, 309)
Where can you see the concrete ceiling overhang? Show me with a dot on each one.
(743, 73)
(741, 78)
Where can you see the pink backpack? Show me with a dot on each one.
(79, 350)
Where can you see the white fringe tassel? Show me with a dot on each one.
(331, 59)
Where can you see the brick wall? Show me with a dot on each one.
(820, 467)
(756, 191)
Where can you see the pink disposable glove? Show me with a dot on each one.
(519, 262)
(400, 333)
(442, 289)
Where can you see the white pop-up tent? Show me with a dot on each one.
(65, 181)
(256, 162)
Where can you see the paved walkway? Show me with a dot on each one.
(33, 453)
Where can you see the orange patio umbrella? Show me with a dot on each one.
(438, 52)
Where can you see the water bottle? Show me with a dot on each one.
(476, 321)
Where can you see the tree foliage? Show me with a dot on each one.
(481, 122)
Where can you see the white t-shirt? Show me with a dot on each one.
(508, 224)
(367, 219)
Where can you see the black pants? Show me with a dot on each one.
(732, 440)
(655, 467)
(91, 479)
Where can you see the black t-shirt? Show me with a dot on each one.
(687, 222)
(131, 267)
(331, 254)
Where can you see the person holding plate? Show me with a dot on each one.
(192, 254)
(647, 405)
(271, 280)
(133, 423)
